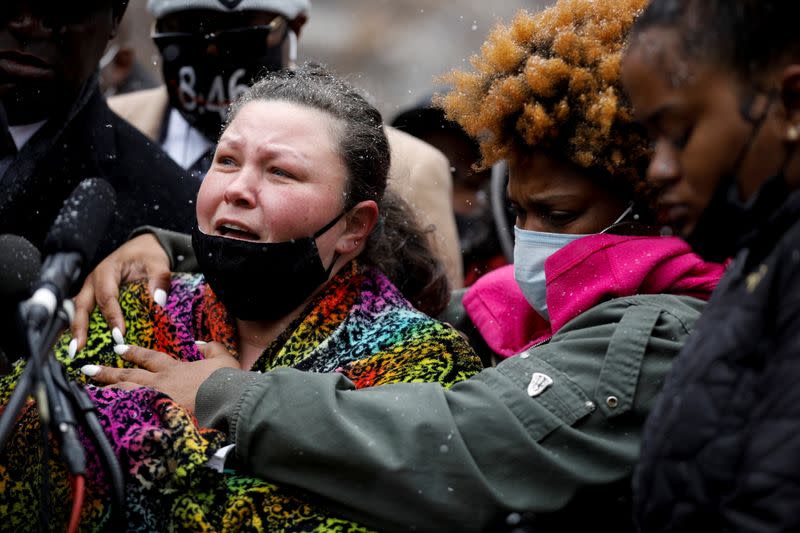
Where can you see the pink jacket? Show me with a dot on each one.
(581, 275)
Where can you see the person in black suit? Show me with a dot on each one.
(56, 129)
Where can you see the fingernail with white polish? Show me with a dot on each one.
(200, 343)
(121, 349)
(73, 348)
(160, 297)
(90, 370)
(116, 334)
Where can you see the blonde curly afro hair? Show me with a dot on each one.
(551, 81)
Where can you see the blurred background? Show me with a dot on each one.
(395, 50)
(392, 48)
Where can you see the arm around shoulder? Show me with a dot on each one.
(460, 457)
(177, 246)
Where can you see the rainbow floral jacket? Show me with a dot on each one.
(359, 325)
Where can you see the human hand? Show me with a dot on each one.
(178, 379)
(141, 257)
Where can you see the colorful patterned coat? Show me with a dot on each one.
(359, 325)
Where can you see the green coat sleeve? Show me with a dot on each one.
(418, 455)
(178, 247)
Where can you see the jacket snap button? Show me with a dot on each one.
(590, 406)
(612, 402)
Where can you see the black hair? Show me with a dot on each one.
(748, 37)
(425, 117)
(397, 245)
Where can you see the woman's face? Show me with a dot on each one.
(276, 176)
(552, 196)
(696, 115)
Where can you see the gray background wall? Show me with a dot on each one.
(391, 48)
(397, 47)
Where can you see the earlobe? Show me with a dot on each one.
(790, 94)
(360, 222)
(297, 24)
(793, 133)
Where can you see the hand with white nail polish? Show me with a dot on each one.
(160, 297)
(179, 380)
(90, 370)
(116, 334)
(141, 257)
(72, 349)
(121, 349)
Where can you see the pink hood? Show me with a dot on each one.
(581, 275)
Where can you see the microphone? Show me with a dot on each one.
(63, 405)
(20, 263)
(69, 246)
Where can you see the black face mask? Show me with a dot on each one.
(261, 280)
(205, 73)
(727, 221)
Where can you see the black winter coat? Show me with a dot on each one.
(722, 447)
(151, 189)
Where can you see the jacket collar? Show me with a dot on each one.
(91, 145)
(581, 275)
(775, 217)
(602, 267)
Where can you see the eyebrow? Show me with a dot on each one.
(550, 198)
(268, 151)
(656, 117)
(542, 199)
(234, 141)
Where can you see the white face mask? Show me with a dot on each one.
(531, 250)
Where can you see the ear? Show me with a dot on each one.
(790, 94)
(361, 220)
(297, 23)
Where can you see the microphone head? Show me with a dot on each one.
(20, 263)
(83, 220)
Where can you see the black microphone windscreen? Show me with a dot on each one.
(20, 263)
(83, 220)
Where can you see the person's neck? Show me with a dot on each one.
(21, 110)
(22, 115)
(256, 335)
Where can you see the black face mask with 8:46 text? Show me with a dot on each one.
(205, 73)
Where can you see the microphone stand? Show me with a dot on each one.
(63, 407)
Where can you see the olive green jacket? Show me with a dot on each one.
(177, 246)
(554, 431)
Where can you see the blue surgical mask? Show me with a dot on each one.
(531, 250)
